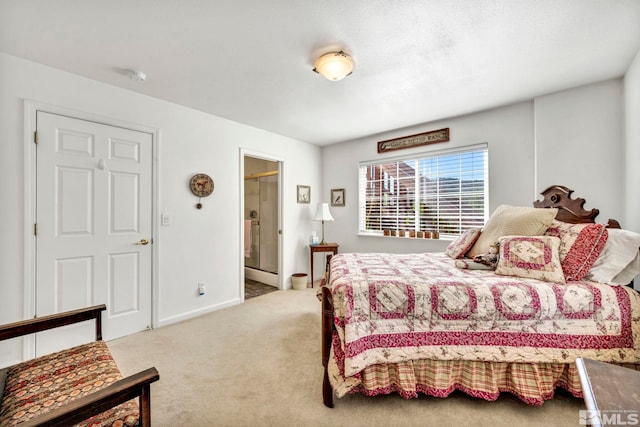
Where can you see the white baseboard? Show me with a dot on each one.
(261, 276)
(195, 313)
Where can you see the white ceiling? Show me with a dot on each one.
(250, 60)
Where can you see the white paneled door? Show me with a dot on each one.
(93, 238)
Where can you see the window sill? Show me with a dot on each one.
(441, 238)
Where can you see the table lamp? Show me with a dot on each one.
(323, 214)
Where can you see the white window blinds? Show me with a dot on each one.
(444, 192)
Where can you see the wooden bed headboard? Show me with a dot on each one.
(569, 210)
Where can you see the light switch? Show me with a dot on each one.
(164, 219)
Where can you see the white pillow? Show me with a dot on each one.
(629, 273)
(619, 253)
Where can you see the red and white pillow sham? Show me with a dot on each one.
(532, 257)
(459, 247)
(580, 246)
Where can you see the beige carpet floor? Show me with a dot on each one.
(258, 364)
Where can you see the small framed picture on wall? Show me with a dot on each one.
(337, 197)
(304, 194)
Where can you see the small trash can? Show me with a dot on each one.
(299, 281)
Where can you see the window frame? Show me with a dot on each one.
(417, 158)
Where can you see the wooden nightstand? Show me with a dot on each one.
(611, 393)
(329, 247)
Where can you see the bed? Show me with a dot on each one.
(428, 324)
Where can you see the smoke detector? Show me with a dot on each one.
(137, 76)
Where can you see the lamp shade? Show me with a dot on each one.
(334, 65)
(323, 213)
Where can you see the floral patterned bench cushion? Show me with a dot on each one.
(40, 385)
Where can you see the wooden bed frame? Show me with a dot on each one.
(557, 196)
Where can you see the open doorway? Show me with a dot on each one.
(261, 225)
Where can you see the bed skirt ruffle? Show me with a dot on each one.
(533, 383)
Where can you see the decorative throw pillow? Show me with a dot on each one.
(580, 246)
(463, 243)
(512, 221)
(533, 257)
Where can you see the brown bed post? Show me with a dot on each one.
(327, 333)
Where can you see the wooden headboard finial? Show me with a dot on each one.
(569, 210)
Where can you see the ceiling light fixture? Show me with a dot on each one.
(138, 76)
(334, 65)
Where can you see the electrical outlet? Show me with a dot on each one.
(201, 289)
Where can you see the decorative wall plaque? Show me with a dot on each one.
(425, 138)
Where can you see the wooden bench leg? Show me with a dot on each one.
(145, 406)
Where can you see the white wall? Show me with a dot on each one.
(631, 191)
(572, 138)
(580, 144)
(199, 245)
(509, 134)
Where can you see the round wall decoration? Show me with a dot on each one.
(201, 185)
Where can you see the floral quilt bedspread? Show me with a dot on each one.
(392, 307)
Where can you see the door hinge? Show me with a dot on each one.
(35, 137)
(35, 229)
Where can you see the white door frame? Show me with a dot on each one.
(30, 109)
(265, 156)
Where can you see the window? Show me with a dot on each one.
(444, 191)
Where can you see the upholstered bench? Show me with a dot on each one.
(81, 385)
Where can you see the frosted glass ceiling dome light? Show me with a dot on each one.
(334, 66)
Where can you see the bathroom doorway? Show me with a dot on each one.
(261, 221)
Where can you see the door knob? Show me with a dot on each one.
(143, 242)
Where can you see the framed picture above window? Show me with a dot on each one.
(337, 197)
(304, 194)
